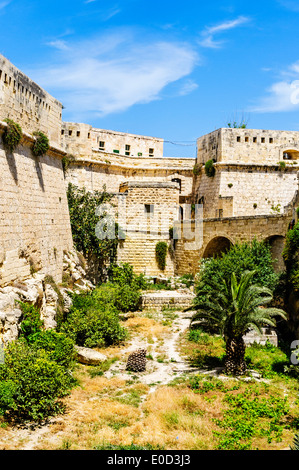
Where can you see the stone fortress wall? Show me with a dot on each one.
(35, 227)
(249, 192)
(28, 104)
(256, 172)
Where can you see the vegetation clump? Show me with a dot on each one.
(93, 320)
(232, 308)
(161, 254)
(234, 293)
(36, 373)
(12, 135)
(41, 144)
(210, 169)
(88, 214)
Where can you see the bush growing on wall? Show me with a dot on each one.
(12, 135)
(161, 253)
(209, 168)
(41, 144)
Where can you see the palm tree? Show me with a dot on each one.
(232, 308)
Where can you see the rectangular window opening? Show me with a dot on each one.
(151, 152)
(263, 140)
(78, 133)
(127, 150)
(148, 209)
(238, 139)
(101, 145)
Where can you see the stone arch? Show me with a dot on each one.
(216, 247)
(276, 243)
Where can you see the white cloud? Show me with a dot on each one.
(58, 44)
(111, 74)
(207, 39)
(282, 95)
(188, 87)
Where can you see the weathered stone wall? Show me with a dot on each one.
(27, 103)
(110, 170)
(219, 234)
(148, 211)
(35, 225)
(80, 139)
(239, 190)
(248, 146)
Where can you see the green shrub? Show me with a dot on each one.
(267, 359)
(210, 169)
(161, 253)
(31, 323)
(91, 326)
(123, 275)
(60, 348)
(247, 256)
(12, 135)
(31, 383)
(41, 144)
(127, 299)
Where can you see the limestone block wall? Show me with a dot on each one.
(240, 190)
(189, 249)
(110, 170)
(248, 146)
(80, 139)
(148, 211)
(27, 103)
(35, 226)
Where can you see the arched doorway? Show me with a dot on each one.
(216, 247)
(276, 243)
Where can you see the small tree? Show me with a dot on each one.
(232, 309)
(84, 217)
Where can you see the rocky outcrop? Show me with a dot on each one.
(42, 292)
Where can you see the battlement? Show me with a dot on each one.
(27, 103)
(254, 146)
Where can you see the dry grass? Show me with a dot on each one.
(118, 411)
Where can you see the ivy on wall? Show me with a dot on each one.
(290, 256)
(161, 253)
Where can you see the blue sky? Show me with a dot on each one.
(170, 69)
